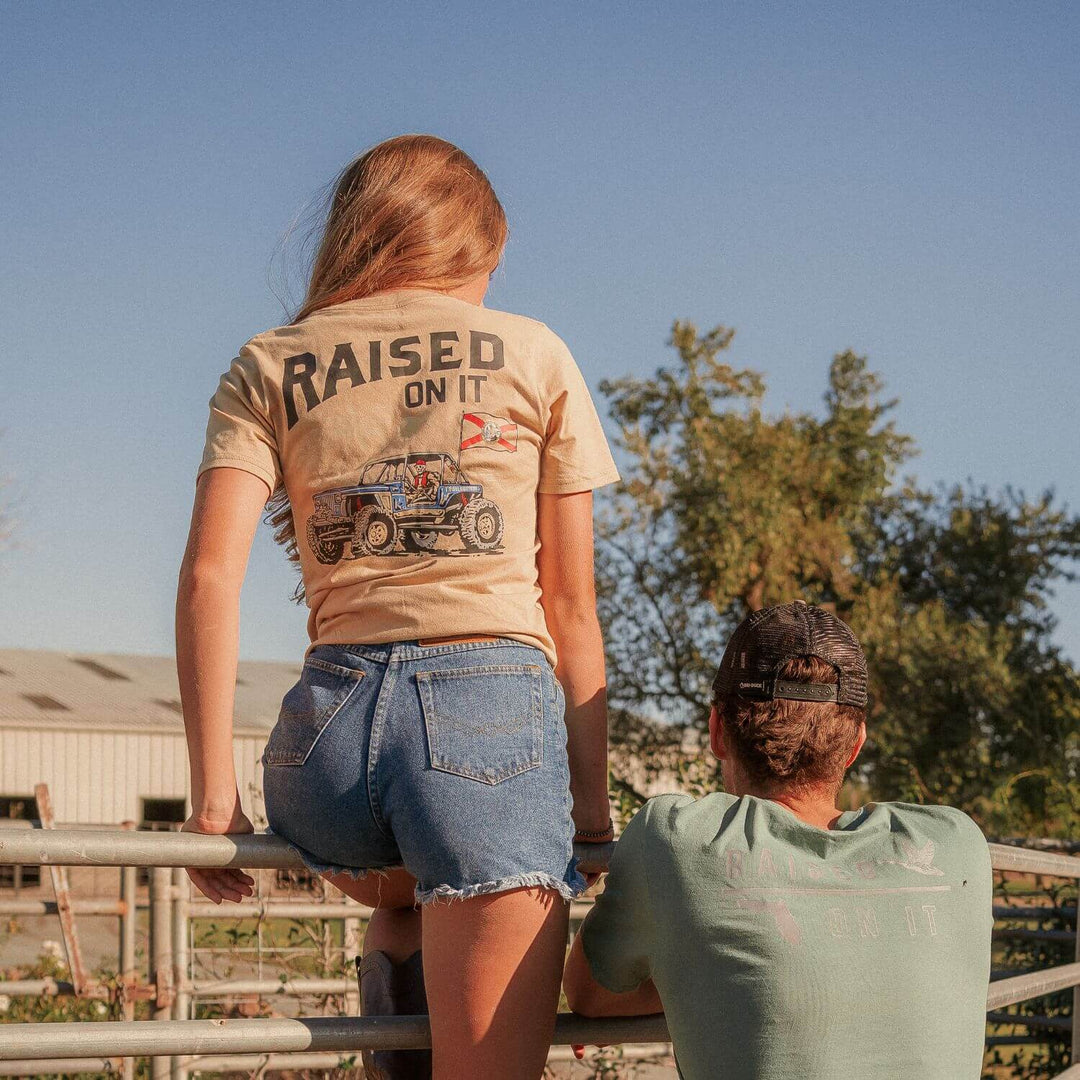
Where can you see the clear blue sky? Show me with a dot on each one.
(898, 179)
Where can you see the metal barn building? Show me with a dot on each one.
(107, 735)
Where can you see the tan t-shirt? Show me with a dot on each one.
(412, 433)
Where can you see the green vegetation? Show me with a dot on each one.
(725, 509)
(1054, 901)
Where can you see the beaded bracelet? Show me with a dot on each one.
(596, 836)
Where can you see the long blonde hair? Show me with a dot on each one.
(414, 211)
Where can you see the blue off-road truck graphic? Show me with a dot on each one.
(403, 504)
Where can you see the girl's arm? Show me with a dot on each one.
(228, 503)
(565, 563)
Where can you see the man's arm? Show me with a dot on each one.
(609, 969)
(586, 996)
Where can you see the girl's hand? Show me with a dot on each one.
(603, 835)
(224, 883)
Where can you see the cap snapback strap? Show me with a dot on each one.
(768, 688)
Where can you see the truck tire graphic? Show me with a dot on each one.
(374, 533)
(419, 539)
(481, 525)
(326, 551)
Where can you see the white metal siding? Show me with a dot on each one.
(100, 777)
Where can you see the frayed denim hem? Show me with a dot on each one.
(566, 889)
(316, 866)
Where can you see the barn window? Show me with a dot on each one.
(161, 815)
(18, 808)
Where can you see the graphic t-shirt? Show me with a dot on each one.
(412, 433)
(781, 950)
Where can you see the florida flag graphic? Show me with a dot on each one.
(483, 429)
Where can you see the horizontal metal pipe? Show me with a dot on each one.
(146, 1038)
(260, 851)
(227, 987)
(630, 1052)
(1056, 1023)
(61, 1066)
(248, 851)
(48, 907)
(71, 847)
(1022, 933)
(275, 1062)
(283, 908)
(36, 988)
(277, 909)
(1022, 987)
(1009, 911)
(344, 1034)
(1027, 861)
(268, 1062)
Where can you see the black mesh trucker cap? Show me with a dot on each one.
(765, 640)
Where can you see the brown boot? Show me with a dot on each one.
(389, 989)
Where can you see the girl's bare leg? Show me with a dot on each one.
(492, 966)
(395, 924)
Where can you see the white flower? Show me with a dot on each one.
(101, 1008)
(52, 948)
(5, 1003)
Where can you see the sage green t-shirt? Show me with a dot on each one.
(781, 950)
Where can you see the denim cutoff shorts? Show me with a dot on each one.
(449, 760)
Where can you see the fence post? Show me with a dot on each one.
(181, 976)
(129, 914)
(79, 977)
(161, 956)
(1075, 1057)
(351, 946)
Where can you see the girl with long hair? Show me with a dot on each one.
(429, 463)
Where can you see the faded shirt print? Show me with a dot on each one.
(783, 950)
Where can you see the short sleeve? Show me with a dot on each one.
(575, 455)
(240, 433)
(616, 936)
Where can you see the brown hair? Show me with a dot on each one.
(792, 743)
(412, 212)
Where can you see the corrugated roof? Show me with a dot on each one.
(44, 689)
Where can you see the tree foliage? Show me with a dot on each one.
(726, 508)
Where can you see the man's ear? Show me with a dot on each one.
(716, 734)
(860, 739)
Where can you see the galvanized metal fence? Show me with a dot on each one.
(179, 1046)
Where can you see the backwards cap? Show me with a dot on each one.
(765, 640)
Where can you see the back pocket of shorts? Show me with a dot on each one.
(484, 723)
(306, 710)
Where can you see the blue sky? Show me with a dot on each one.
(898, 179)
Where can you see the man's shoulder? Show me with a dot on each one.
(675, 818)
(946, 820)
(928, 836)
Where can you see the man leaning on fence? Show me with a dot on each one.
(782, 937)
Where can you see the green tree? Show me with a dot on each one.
(725, 509)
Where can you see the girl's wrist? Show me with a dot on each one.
(602, 835)
(215, 805)
(591, 815)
